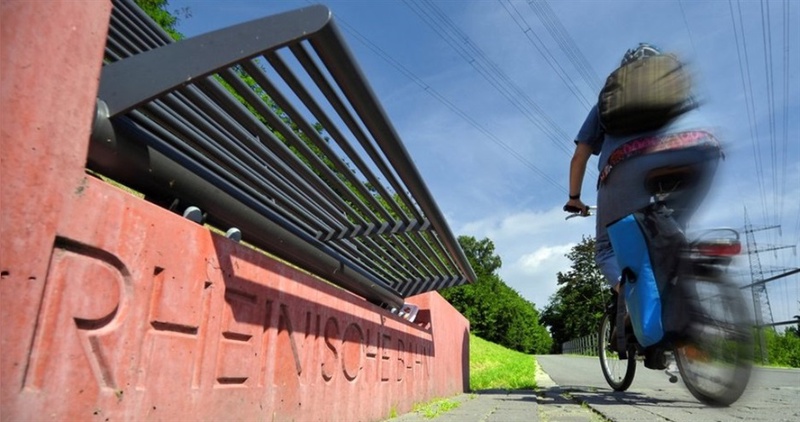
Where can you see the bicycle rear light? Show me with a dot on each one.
(720, 247)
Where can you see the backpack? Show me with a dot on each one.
(644, 95)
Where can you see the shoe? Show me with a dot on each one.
(672, 369)
(655, 358)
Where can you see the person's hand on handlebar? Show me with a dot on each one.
(576, 206)
(577, 168)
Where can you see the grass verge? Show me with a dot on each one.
(434, 408)
(492, 366)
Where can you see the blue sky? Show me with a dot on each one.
(499, 170)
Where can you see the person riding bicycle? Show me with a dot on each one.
(654, 142)
(684, 139)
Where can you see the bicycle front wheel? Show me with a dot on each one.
(716, 361)
(618, 372)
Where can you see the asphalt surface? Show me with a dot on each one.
(548, 403)
(772, 394)
(572, 389)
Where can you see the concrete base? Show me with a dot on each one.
(115, 309)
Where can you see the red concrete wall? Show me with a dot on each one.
(115, 309)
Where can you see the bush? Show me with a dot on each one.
(783, 348)
(495, 311)
(498, 313)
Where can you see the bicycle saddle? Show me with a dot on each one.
(671, 179)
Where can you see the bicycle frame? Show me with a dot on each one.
(717, 329)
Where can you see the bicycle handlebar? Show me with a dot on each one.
(577, 212)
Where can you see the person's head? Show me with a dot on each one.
(640, 52)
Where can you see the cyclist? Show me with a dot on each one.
(685, 141)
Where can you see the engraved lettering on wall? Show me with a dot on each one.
(330, 354)
(239, 337)
(86, 298)
(352, 351)
(385, 366)
(177, 316)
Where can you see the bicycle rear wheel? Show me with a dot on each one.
(715, 363)
(618, 372)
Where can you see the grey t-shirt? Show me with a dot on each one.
(624, 191)
(592, 133)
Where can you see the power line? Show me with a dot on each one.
(545, 52)
(786, 92)
(471, 53)
(686, 23)
(776, 119)
(455, 109)
(561, 35)
(744, 70)
(766, 32)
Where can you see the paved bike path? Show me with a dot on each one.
(566, 381)
(547, 403)
(771, 395)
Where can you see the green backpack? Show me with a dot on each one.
(644, 95)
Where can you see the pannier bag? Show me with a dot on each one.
(639, 284)
(648, 245)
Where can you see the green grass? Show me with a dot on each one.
(492, 366)
(436, 407)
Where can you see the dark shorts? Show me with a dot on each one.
(624, 192)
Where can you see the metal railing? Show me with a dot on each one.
(586, 345)
(270, 127)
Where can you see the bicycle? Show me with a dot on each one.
(714, 352)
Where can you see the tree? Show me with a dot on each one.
(576, 308)
(496, 312)
(157, 10)
(480, 255)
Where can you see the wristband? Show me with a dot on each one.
(578, 196)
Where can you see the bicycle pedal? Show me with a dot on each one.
(672, 369)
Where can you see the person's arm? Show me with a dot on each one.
(577, 169)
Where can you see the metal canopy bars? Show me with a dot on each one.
(270, 126)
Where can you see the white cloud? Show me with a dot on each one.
(534, 274)
(532, 247)
(542, 258)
